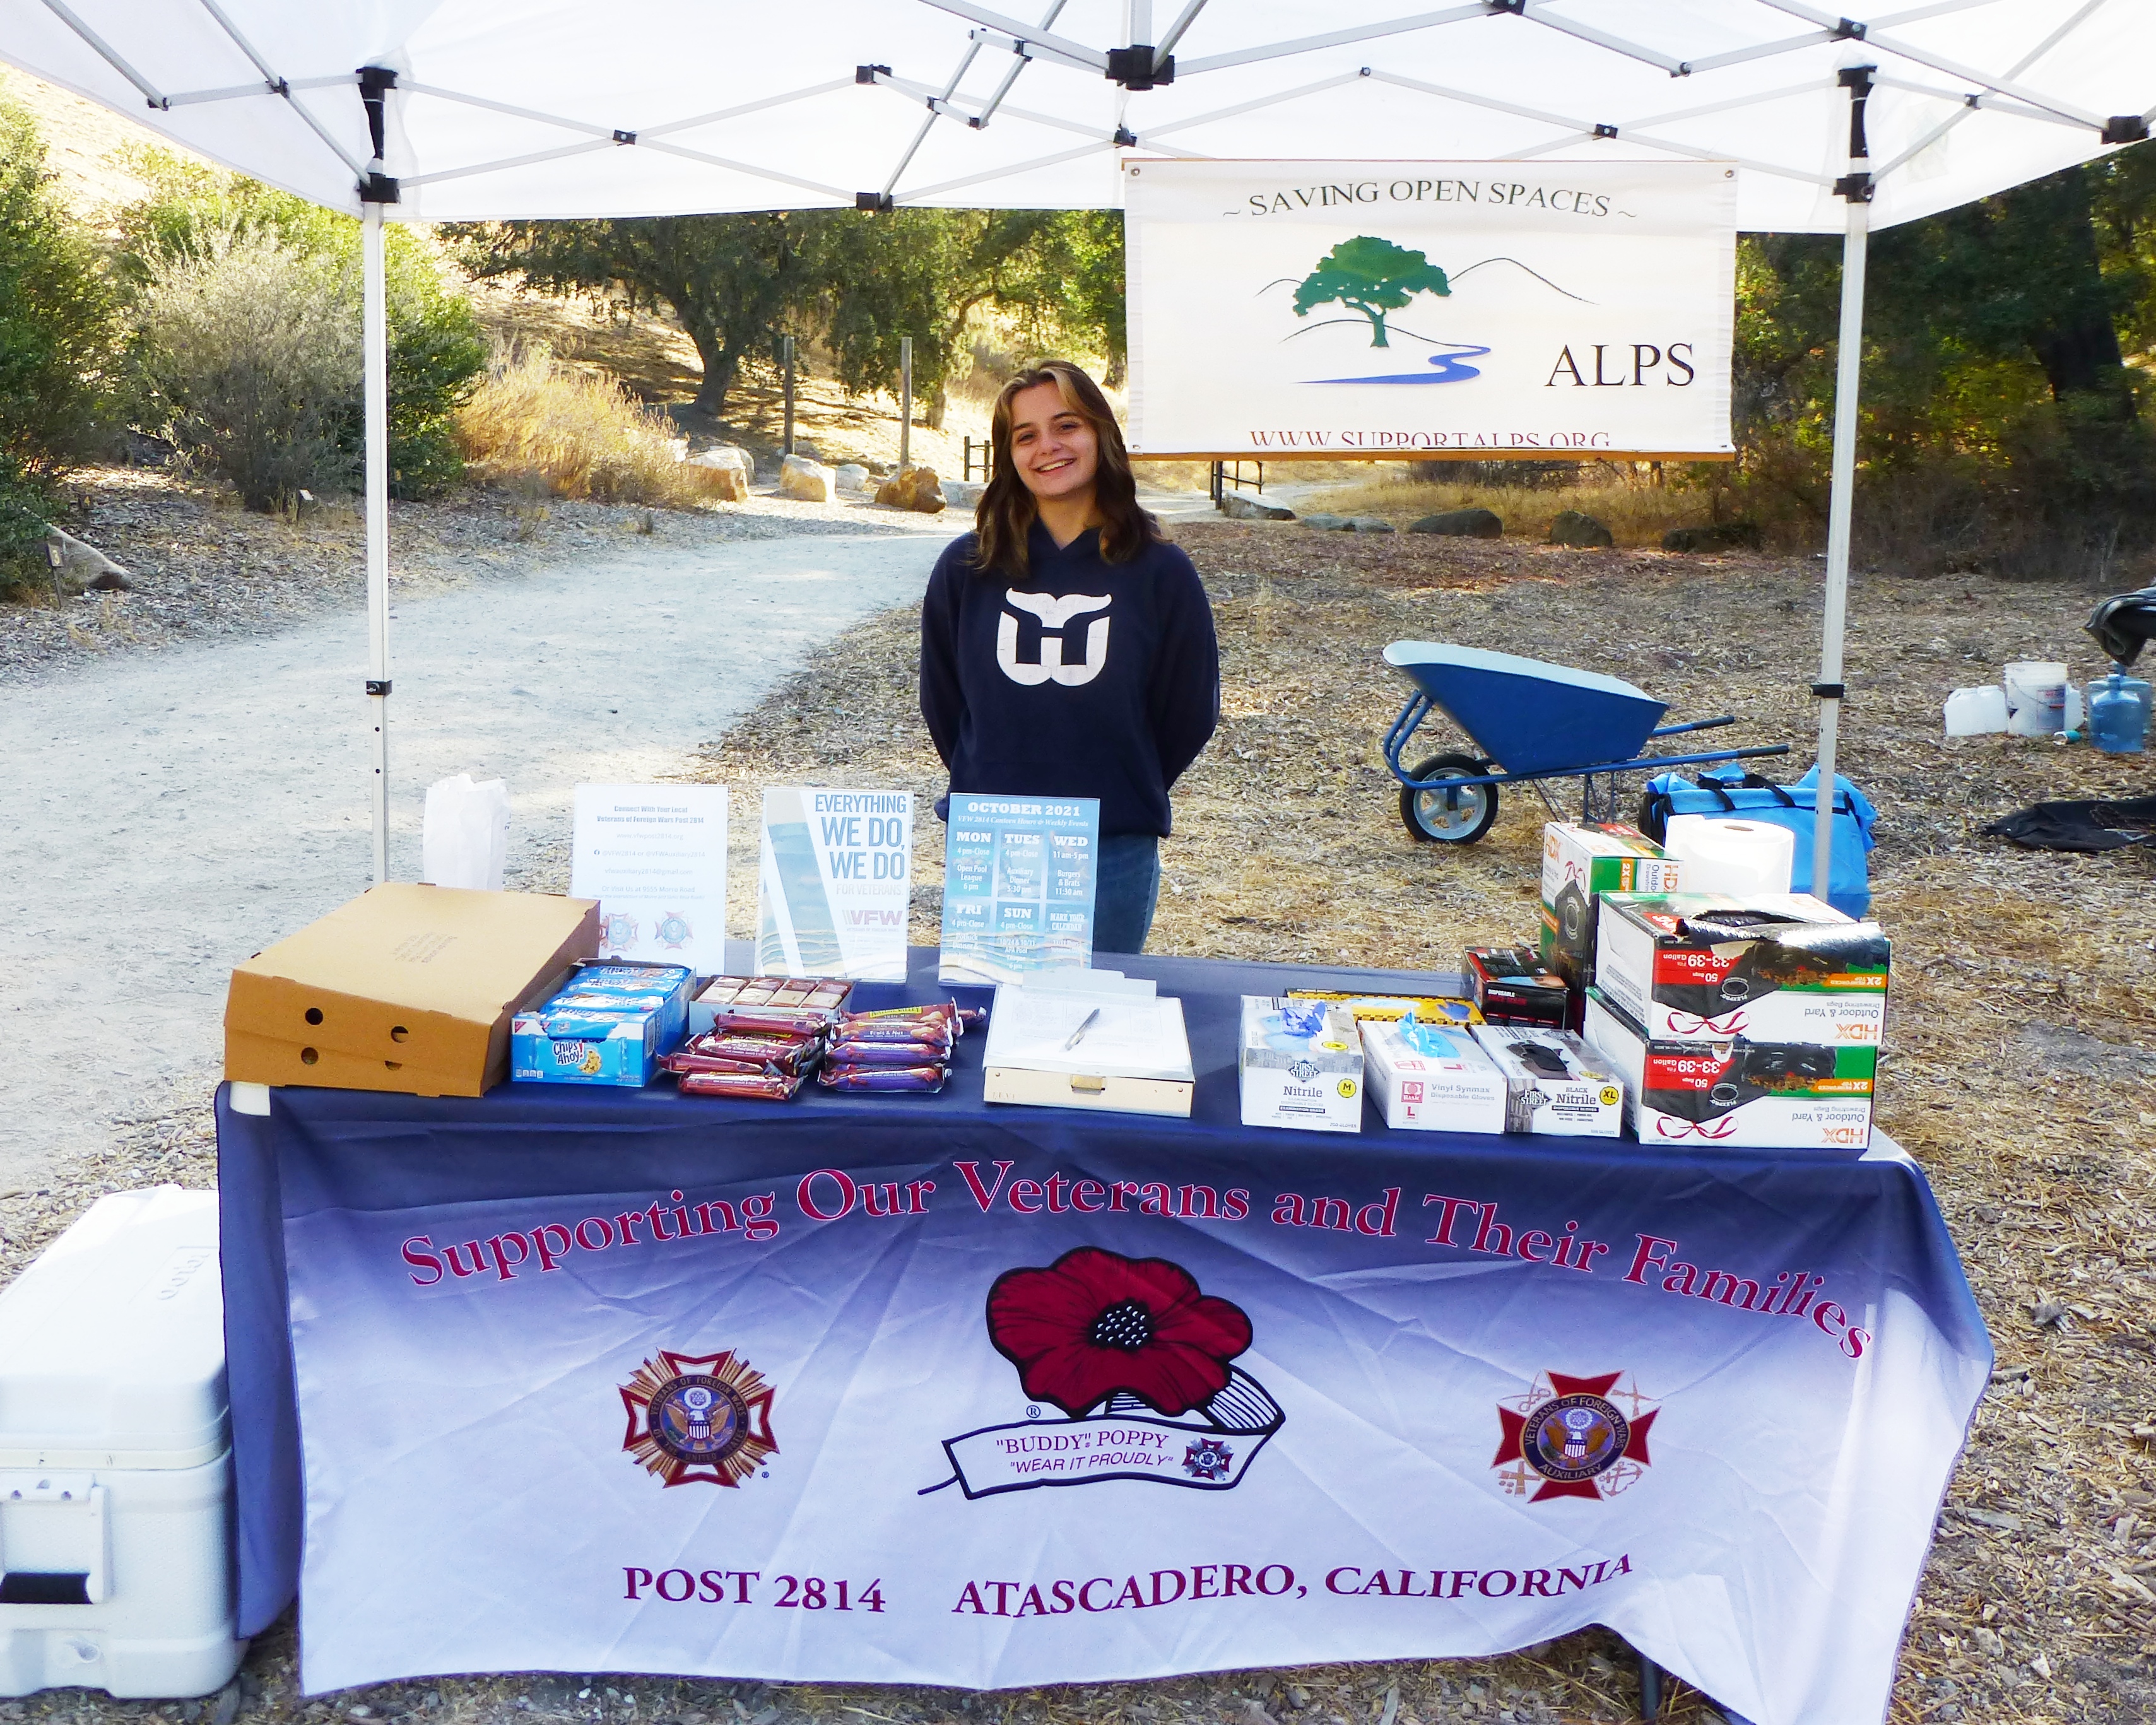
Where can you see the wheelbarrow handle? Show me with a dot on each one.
(1695, 725)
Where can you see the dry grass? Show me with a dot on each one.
(1636, 514)
(575, 434)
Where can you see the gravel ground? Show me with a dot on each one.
(206, 570)
(2021, 1075)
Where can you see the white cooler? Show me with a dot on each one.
(116, 1463)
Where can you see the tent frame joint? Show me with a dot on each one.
(872, 200)
(1855, 188)
(1831, 691)
(381, 188)
(1139, 67)
(867, 74)
(2125, 129)
(378, 686)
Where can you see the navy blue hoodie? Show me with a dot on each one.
(1085, 678)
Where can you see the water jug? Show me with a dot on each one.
(2118, 713)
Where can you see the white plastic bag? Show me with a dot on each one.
(465, 840)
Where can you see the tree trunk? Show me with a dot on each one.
(719, 362)
(939, 403)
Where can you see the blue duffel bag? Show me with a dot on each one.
(1729, 789)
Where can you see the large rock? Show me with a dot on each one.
(915, 489)
(84, 566)
(1329, 523)
(963, 493)
(1716, 535)
(1461, 524)
(727, 455)
(852, 476)
(1371, 524)
(806, 482)
(1238, 508)
(723, 484)
(1583, 532)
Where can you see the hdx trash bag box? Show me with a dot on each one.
(407, 987)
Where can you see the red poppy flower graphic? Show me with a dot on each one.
(1095, 1322)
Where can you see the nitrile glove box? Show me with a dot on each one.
(1301, 1065)
(115, 1464)
(1557, 1085)
(1456, 1088)
(1737, 1094)
(1780, 967)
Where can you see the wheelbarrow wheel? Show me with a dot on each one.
(1457, 817)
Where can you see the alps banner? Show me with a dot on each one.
(1353, 309)
(996, 1405)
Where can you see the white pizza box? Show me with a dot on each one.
(1457, 1089)
(115, 1467)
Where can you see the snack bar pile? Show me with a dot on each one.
(765, 1037)
(757, 1036)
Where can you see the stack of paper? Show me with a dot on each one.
(1120, 1048)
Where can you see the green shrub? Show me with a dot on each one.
(250, 358)
(56, 323)
(24, 506)
(436, 352)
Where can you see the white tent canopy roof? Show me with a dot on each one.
(556, 108)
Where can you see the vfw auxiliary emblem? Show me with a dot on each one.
(1569, 1437)
(673, 931)
(1138, 1359)
(699, 1418)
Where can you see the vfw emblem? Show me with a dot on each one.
(699, 1418)
(1055, 615)
(1569, 1437)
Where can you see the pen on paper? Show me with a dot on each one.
(1084, 1025)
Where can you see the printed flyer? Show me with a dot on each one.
(654, 856)
(832, 881)
(1019, 875)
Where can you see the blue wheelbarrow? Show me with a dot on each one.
(1531, 722)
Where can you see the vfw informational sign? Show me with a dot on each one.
(832, 885)
(1385, 308)
(1019, 876)
(654, 856)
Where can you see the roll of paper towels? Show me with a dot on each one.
(1723, 854)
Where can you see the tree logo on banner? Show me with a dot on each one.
(1139, 1359)
(703, 1418)
(1568, 1438)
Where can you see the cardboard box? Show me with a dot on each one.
(607, 1023)
(1513, 987)
(1579, 864)
(1457, 1089)
(1555, 1085)
(406, 988)
(1737, 1095)
(1390, 1009)
(1300, 1063)
(1784, 968)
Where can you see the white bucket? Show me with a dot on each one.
(1744, 859)
(2036, 697)
(1973, 712)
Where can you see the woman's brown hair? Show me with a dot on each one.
(1008, 510)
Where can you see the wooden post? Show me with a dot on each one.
(905, 400)
(786, 349)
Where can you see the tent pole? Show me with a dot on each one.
(1849, 361)
(375, 319)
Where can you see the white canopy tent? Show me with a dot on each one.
(469, 109)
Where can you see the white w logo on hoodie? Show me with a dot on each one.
(1054, 614)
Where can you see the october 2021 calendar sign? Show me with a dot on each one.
(1349, 309)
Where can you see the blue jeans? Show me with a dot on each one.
(1127, 886)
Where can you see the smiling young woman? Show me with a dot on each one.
(1067, 648)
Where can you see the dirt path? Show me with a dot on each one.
(171, 813)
